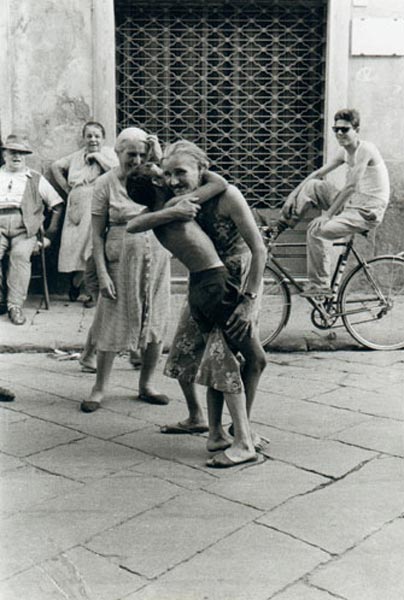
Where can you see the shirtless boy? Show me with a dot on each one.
(212, 297)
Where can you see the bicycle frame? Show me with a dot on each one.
(324, 307)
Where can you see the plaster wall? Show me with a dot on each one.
(49, 54)
(50, 80)
(376, 88)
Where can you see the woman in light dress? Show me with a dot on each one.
(133, 273)
(76, 174)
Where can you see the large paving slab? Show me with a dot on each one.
(343, 513)
(373, 570)
(22, 488)
(58, 524)
(8, 462)
(188, 449)
(369, 402)
(369, 381)
(167, 535)
(30, 435)
(87, 459)
(285, 385)
(74, 575)
(266, 485)
(105, 424)
(300, 416)
(326, 457)
(383, 435)
(251, 564)
(369, 357)
(182, 475)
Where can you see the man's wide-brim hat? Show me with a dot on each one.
(16, 142)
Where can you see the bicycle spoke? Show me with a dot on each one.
(375, 290)
(275, 307)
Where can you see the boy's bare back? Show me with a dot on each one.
(184, 239)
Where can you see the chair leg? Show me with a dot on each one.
(44, 279)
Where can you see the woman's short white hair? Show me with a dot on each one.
(129, 135)
(190, 149)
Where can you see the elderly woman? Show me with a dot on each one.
(76, 174)
(133, 273)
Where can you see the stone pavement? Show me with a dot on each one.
(104, 507)
(65, 325)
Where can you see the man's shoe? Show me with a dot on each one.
(316, 293)
(16, 315)
(3, 308)
(275, 230)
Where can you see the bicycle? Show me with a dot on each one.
(369, 298)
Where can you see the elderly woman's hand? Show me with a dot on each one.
(240, 322)
(185, 210)
(107, 287)
(155, 152)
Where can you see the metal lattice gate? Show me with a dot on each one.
(245, 80)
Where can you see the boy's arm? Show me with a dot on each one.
(352, 185)
(212, 185)
(185, 210)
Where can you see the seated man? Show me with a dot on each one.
(213, 298)
(358, 207)
(24, 194)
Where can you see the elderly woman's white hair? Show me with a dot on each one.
(129, 135)
(190, 149)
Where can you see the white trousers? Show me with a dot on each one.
(358, 215)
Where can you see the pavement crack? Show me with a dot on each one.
(331, 594)
(295, 537)
(132, 572)
(56, 445)
(54, 473)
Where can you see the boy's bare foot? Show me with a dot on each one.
(260, 442)
(188, 426)
(218, 442)
(227, 459)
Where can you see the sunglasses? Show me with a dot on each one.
(341, 129)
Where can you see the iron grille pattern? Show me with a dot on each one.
(244, 80)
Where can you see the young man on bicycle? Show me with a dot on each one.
(358, 207)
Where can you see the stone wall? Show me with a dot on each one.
(376, 88)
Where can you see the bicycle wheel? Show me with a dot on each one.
(372, 298)
(275, 307)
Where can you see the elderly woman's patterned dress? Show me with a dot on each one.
(75, 244)
(140, 269)
(192, 358)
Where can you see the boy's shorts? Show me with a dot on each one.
(212, 298)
